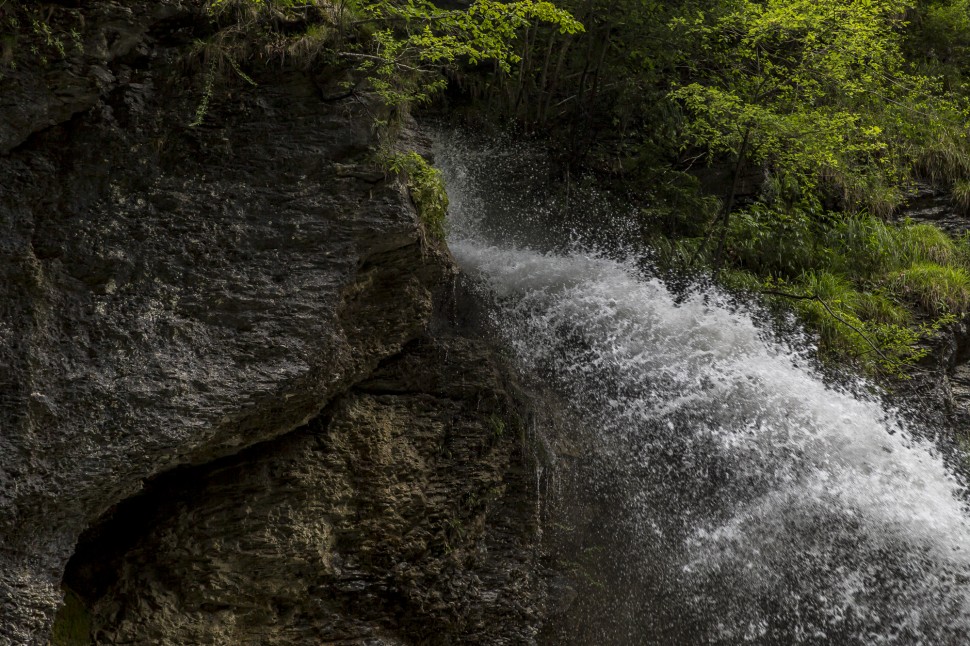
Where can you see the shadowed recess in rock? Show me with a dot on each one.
(403, 514)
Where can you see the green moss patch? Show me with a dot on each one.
(72, 624)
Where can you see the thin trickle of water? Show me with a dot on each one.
(751, 501)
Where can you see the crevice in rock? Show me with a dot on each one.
(97, 559)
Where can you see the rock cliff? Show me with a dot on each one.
(228, 396)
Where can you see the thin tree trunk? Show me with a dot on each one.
(594, 92)
(729, 203)
(525, 67)
(556, 76)
(585, 73)
(543, 79)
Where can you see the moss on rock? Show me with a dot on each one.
(72, 624)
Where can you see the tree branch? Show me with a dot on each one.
(384, 60)
(434, 18)
(816, 297)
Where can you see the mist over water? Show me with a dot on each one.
(723, 493)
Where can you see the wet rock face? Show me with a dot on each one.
(170, 296)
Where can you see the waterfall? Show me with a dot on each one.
(748, 500)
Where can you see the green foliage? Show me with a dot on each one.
(868, 327)
(676, 205)
(939, 40)
(917, 243)
(297, 31)
(219, 58)
(818, 92)
(774, 243)
(72, 625)
(419, 40)
(836, 107)
(867, 246)
(673, 253)
(426, 186)
(787, 244)
(741, 280)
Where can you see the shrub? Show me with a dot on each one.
(868, 328)
(427, 189)
(830, 309)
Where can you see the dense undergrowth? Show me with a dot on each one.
(396, 50)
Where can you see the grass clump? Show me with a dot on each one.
(919, 243)
(863, 246)
(938, 289)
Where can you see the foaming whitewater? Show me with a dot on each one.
(752, 502)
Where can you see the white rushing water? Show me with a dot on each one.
(757, 503)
